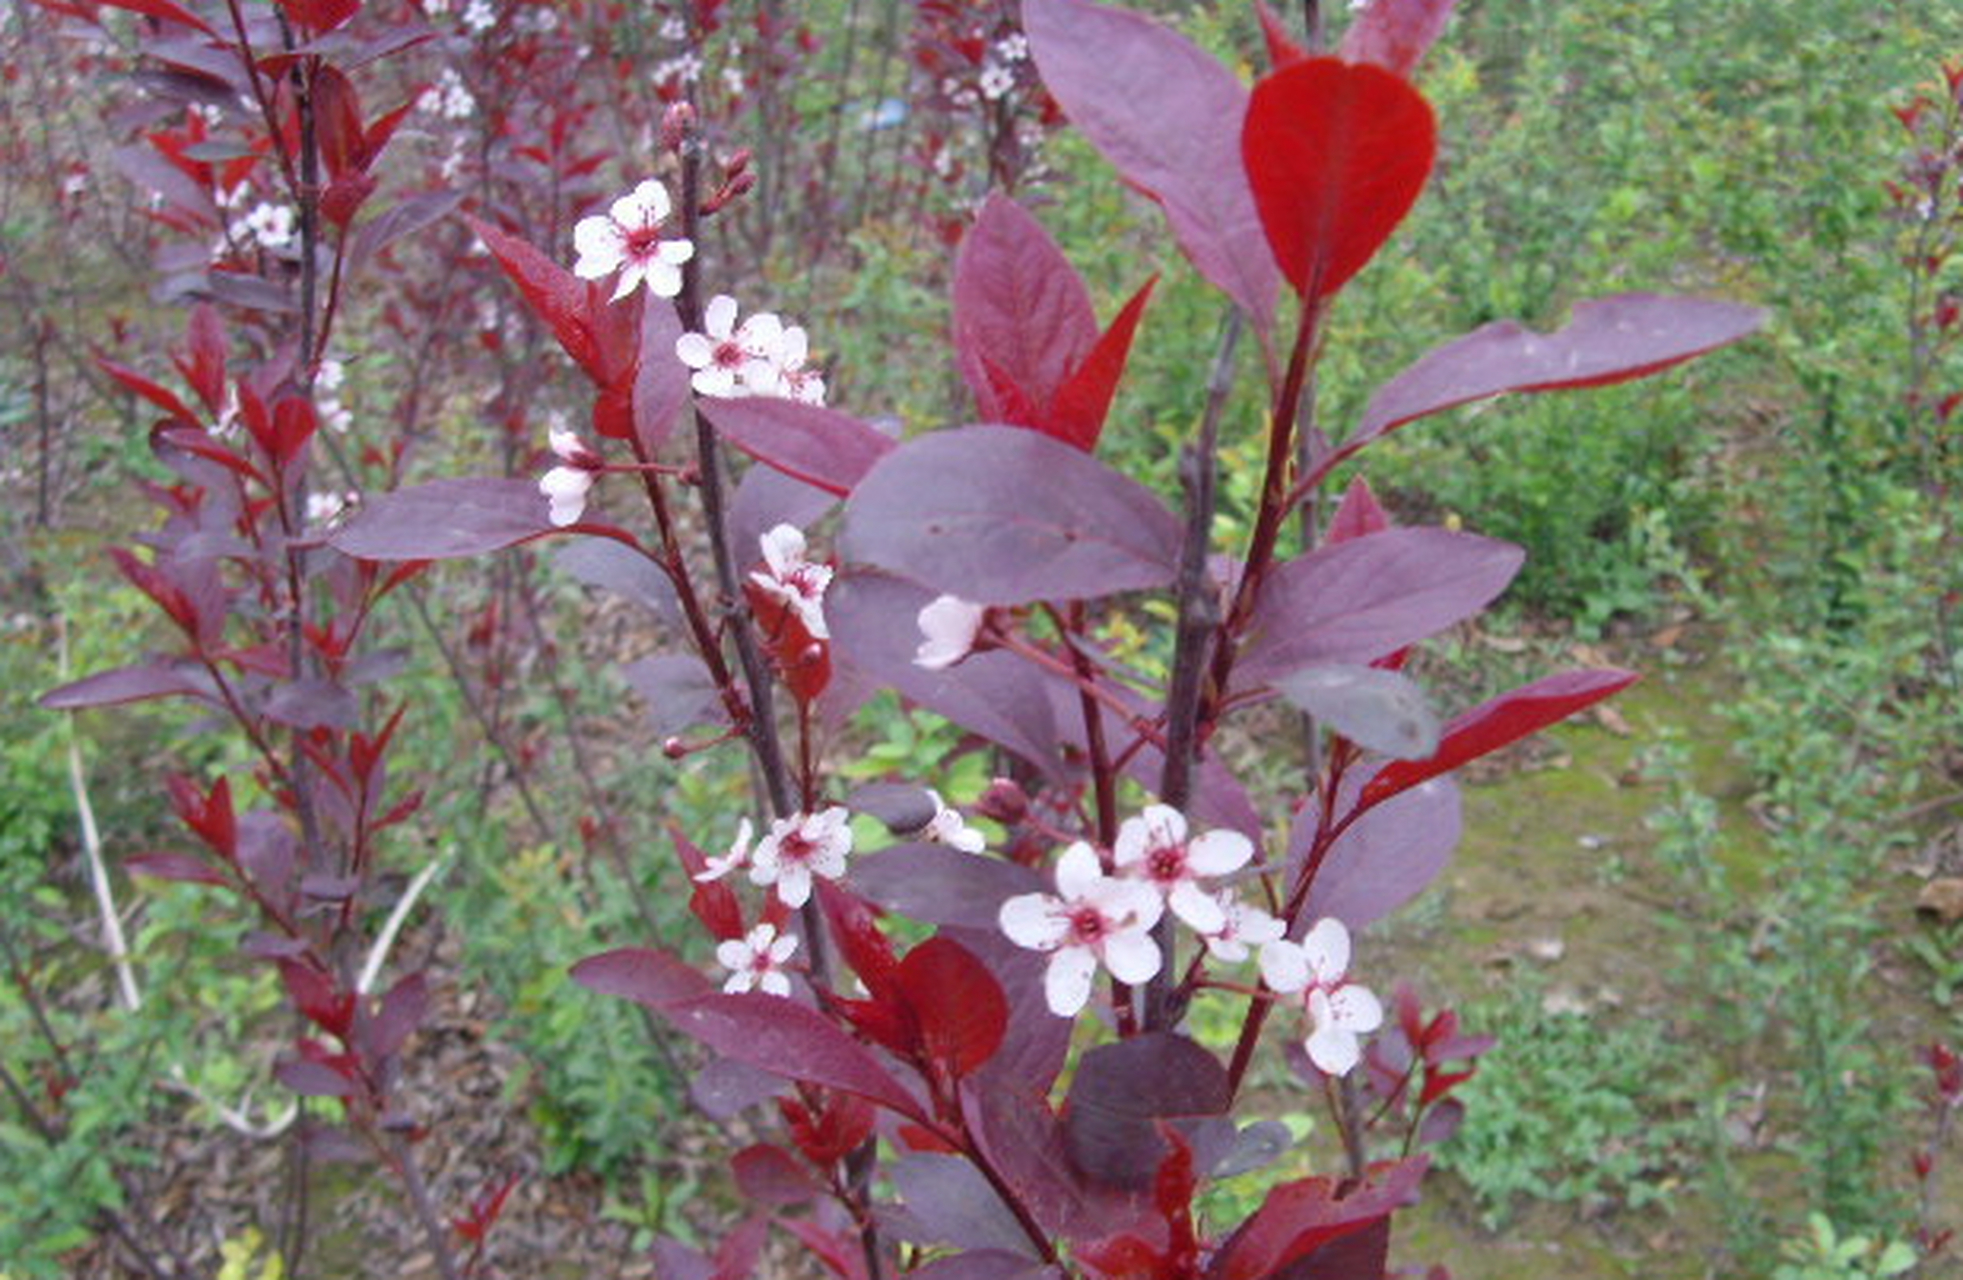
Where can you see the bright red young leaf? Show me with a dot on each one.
(1336, 155)
(713, 903)
(1077, 412)
(792, 1041)
(1157, 106)
(957, 1005)
(1301, 1217)
(164, 10)
(1283, 51)
(1394, 34)
(1492, 725)
(1609, 340)
(555, 294)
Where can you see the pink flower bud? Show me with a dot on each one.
(677, 126)
(1003, 802)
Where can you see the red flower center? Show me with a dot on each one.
(1087, 925)
(1166, 863)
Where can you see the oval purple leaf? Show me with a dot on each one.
(445, 519)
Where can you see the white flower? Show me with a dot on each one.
(728, 359)
(799, 847)
(449, 97)
(738, 855)
(1013, 47)
(1244, 925)
(950, 625)
(1339, 1010)
(1153, 847)
(1098, 919)
(270, 225)
(326, 508)
(480, 16)
(756, 961)
(567, 485)
(789, 577)
(947, 827)
(628, 239)
(673, 29)
(996, 81)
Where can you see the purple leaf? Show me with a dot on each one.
(1257, 1146)
(1359, 1255)
(674, 1260)
(984, 1264)
(1036, 1041)
(181, 867)
(1157, 107)
(768, 1175)
(312, 704)
(1394, 34)
(151, 172)
(156, 679)
(952, 1201)
(1383, 859)
(934, 884)
(679, 692)
(822, 447)
(1355, 601)
(792, 1041)
(726, 1087)
(661, 380)
(1121, 1093)
(610, 565)
(1608, 340)
(1020, 309)
(765, 498)
(1003, 516)
(312, 1079)
(445, 519)
(402, 1011)
(875, 630)
(268, 851)
(403, 218)
(902, 806)
(1218, 797)
(647, 977)
(1384, 711)
(1024, 1140)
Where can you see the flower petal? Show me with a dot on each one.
(1284, 967)
(1355, 1008)
(695, 350)
(1327, 949)
(1078, 871)
(1067, 982)
(1034, 920)
(794, 885)
(1196, 907)
(1333, 1050)
(719, 317)
(1132, 955)
(1218, 852)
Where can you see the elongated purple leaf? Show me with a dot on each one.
(312, 1079)
(792, 1041)
(445, 519)
(1383, 859)
(661, 380)
(1020, 309)
(312, 704)
(679, 691)
(1004, 516)
(934, 884)
(765, 498)
(951, 1201)
(1382, 711)
(1157, 106)
(821, 447)
(182, 867)
(875, 632)
(984, 1264)
(647, 977)
(616, 567)
(405, 217)
(1123, 1091)
(1362, 599)
(156, 679)
(1608, 340)
(1394, 34)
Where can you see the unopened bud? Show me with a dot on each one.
(677, 126)
(674, 748)
(737, 163)
(1004, 802)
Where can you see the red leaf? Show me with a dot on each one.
(1301, 1217)
(206, 368)
(151, 391)
(180, 867)
(1020, 310)
(337, 121)
(317, 997)
(1282, 49)
(555, 295)
(841, 1257)
(1077, 413)
(125, 684)
(1336, 155)
(859, 938)
(661, 382)
(712, 902)
(1156, 106)
(1492, 725)
(1609, 340)
(957, 1004)
(320, 15)
(792, 1041)
(1358, 515)
(1394, 34)
(164, 10)
(821, 447)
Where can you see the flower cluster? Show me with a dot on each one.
(762, 356)
(792, 580)
(1103, 919)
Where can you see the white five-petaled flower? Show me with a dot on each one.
(1153, 847)
(1339, 1010)
(947, 827)
(949, 626)
(756, 961)
(1098, 919)
(1244, 926)
(738, 855)
(627, 238)
(567, 484)
(800, 847)
(789, 577)
(731, 359)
